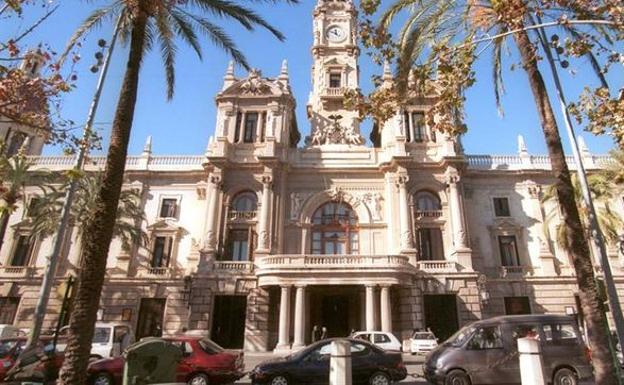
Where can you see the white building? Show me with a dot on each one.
(258, 240)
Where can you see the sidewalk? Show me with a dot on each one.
(413, 364)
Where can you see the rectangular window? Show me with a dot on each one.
(169, 208)
(430, 244)
(408, 127)
(32, 206)
(251, 124)
(8, 309)
(517, 305)
(508, 250)
(501, 207)
(161, 254)
(486, 338)
(22, 251)
(237, 127)
(335, 80)
(560, 334)
(418, 119)
(239, 245)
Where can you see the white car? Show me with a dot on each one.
(385, 340)
(423, 342)
(109, 339)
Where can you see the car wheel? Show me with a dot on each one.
(565, 376)
(379, 378)
(279, 380)
(457, 377)
(198, 379)
(102, 379)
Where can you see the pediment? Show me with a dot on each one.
(506, 224)
(164, 225)
(255, 85)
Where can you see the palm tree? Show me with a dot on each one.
(434, 21)
(143, 23)
(46, 212)
(611, 224)
(15, 174)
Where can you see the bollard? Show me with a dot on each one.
(531, 362)
(340, 364)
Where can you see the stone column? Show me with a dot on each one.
(386, 310)
(299, 341)
(284, 320)
(462, 253)
(264, 224)
(547, 259)
(407, 239)
(212, 220)
(370, 307)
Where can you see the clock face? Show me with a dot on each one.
(335, 33)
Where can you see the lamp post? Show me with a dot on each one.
(596, 236)
(50, 272)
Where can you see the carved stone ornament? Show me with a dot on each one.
(336, 194)
(452, 178)
(254, 85)
(374, 203)
(296, 204)
(209, 240)
(335, 133)
(534, 191)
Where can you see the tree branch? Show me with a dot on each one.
(32, 28)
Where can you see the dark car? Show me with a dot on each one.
(203, 362)
(485, 352)
(310, 366)
(11, 348)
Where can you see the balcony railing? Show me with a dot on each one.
(16, 271)
(335, 91)
(242, 215)
(333, 261)
(428, 214)
(515, 271)
(437, 266)
(151, 272)
(234, 266)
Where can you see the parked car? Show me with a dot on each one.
(203, 362)
(485, 352)
(385, 340)
(310, 366)
(109, 339)
(422, 342)
(7, 331)
(11, 348)
(41, 364)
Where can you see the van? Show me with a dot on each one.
(486, 352)
(109, 339)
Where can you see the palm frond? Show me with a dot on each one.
(167, 49)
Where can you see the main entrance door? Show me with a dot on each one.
(151, 315)
(228, 322)
(441, 315)
(333, 313)
(337, 308)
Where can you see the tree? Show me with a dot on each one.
(440, 36)
(16, 173)
(610, 222)
(144, 23)
(46, 211)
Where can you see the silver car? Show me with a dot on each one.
(485, 352)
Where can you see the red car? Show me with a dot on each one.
(203, 362)
(10, 349)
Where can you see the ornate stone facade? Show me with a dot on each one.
(264, 240)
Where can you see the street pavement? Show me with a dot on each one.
(413, 364)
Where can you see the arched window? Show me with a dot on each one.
(427, 201)
(334, 230)
(247, 201)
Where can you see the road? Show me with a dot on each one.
(413, 364)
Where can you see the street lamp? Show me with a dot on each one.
(50, 272)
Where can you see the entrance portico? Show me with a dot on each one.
(339, 309)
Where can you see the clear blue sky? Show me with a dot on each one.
(184, 125)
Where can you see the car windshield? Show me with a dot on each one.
(424, 336)
(461, 336)
(210, 346)
(101, 335)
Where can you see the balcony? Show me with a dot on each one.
(242, 216)
(515, 271)
(428, 214)
(239, 267)
(332, 269)
(16, 271)
(156, 272)
(334, 92)
(437, 266)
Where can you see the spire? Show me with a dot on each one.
(387, 74)
(229, 78)
(522, 148)
(583, 146)
(283, 76)
(147, 148)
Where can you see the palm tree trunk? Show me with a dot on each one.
(98, 232)
(4, 223)
(576, 238)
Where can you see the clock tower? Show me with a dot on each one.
(334, 71)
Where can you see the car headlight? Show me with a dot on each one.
(6, 364)
(439, 364)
